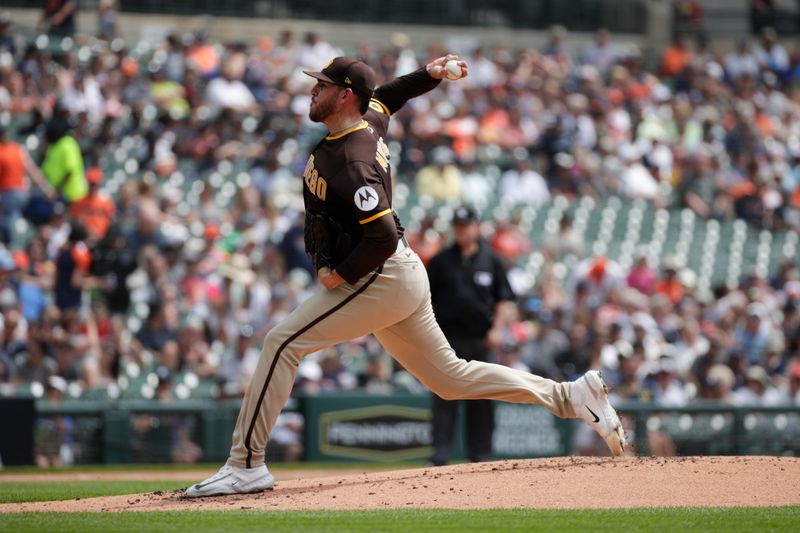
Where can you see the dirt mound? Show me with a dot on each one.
(564, 482)
(189, 476)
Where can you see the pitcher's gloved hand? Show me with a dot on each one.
(325, 240)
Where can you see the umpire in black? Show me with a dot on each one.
(471, 298)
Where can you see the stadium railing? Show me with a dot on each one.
(716, 428)
(357, 426)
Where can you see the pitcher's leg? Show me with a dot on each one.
(266, 395)
(327, 318)
(421, 347)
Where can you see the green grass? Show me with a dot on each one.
(628, 521)
(43, 491)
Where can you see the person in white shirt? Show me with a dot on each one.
(523, 185)
(757, 390)
(315, 52)
(636, 180)
(272, 178)
(660, 155)
(483, 71)
(229, 91)
(406, 58)
(240, 362)
(770, 53)
(601, 52)
(477, 187)
(741, 62)
(665, 387)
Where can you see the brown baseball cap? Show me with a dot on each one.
(348, 72)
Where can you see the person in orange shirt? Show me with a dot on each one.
(202, 55)
(677, 56)
(15, 164)
(670, 286)
(95, 211)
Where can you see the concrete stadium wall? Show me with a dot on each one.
(134, 26)
(726, 21)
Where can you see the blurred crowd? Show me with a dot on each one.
(151, 210)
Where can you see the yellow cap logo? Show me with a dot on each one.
(347, 81)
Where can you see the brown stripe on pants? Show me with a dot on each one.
(394, 304)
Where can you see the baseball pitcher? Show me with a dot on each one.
(372, 282)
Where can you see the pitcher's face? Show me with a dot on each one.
(324, 101)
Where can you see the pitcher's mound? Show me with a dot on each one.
(564, 482)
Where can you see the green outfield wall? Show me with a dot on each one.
(352, 427)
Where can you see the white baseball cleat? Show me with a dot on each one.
(233, 480)
(589, 396)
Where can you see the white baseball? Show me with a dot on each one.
(453, 70)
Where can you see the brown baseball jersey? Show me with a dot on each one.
(348, 177)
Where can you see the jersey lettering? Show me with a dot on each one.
(316, 184)
(382, 154)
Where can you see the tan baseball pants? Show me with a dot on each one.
(394, 304)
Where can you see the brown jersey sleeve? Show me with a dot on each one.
(393, 95)
(360, 186)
